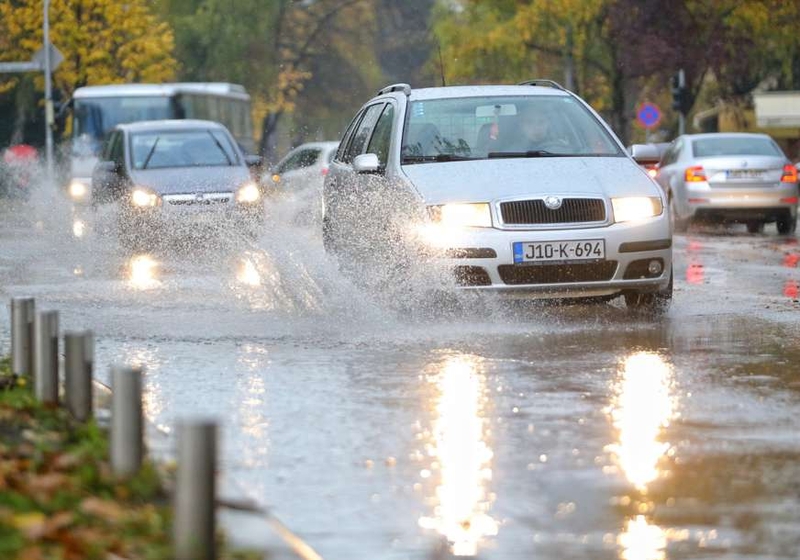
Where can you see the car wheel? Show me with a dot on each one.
(678, 225)
(755, 227)
(787, 227)
(650, 303)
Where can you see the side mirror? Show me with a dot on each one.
(106, 166)
(366, 163)
(253, 161)
(644, 154)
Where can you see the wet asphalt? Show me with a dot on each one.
(500, 431)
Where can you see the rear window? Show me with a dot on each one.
(753, 146)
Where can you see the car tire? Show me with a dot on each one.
(787, 227)
(755, 227)
(650, 303)
(678, 225)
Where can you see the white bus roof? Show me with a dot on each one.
(151, 90)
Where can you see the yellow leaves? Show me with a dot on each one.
(103, 41)
(104, 509)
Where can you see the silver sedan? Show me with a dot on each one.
(730, 177)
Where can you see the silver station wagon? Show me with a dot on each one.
(521, 190)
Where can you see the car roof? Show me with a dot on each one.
(448, 92)
(707, 135)
(154, 90)
(174, 124)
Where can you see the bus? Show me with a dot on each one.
(98, 109)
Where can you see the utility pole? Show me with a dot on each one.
(49, 119)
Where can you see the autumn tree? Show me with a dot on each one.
(102, 42)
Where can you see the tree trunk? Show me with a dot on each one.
(268, 148)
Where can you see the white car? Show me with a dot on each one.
(304, 166)
(520, 190)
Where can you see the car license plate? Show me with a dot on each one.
(744, 173)
(534, 252)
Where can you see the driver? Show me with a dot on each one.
(533, 130)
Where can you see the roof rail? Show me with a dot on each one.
(405, 88)
(543, 83)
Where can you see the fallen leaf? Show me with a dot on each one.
(105, 509)
(32, 524)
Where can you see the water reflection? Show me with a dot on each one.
(791, 289)
(695, 273)
(642, 541)
(247, 272)
(463, 457)
(643, 408)
(78, 228)
(142, 272)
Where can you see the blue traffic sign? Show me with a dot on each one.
(648, 115)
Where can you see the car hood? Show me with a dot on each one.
(487, 180)
(191, 179)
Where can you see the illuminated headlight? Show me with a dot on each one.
(636, 208)
(143, 197)
(248, 193)
(462, 214)
(78, 190)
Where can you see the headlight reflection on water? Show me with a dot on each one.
(463, 457)
(642, 410)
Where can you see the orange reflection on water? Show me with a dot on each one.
(463, 457)
(695, 273)
(143, 270)
(790, 289)
(643, 408)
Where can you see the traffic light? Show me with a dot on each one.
(681, 100)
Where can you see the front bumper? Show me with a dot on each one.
(482, 259)
(166, 220)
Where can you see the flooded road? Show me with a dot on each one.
(499, 431)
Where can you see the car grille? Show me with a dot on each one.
(572, 210)
(557, 273)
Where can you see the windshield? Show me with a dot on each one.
(154, 150)
(495, 127)
(95, 117)
(747, 146)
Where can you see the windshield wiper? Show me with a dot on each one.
(150, 153)
(528, 154)
(437, 157)
(219, 145)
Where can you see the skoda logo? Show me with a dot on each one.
(553, 202)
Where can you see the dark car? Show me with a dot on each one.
(176, 177)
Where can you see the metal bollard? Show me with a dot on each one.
(78, 368)
(195, 491)
(127, 447)
(22, 317)
(45, 356)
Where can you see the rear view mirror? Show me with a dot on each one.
(504, 110)
(366, 163)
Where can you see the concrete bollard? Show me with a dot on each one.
(22, 318)
(127, 447)
(78, 369)
(195, 491)
(45, 356)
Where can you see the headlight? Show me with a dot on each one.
(636, 208)
(249, 192)
(143, 197)
(78, 190)
(462, 214)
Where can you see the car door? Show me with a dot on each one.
(670, 176)
(344, 214)
(297, 171)
(109, 178)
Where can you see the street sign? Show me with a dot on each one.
(14, 67)
(648, 115)
(56, 57)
